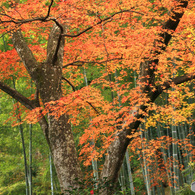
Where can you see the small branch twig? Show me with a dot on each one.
(92, 62)
(73, 88)
(43, 19)
(101, 21)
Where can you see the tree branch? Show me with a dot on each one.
(25, 53)
(30, 104)
(177, 80)
(49, 9)
(101, 21)
(73, 88)
(173, 21)
(23, 21)
(56, 37)
(147, 68)
(55, 46)
(60, 39)
(93, 108)
(90, 62)
(17, 96)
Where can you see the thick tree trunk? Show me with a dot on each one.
(60, 138)
(63, 151)
(47, 77)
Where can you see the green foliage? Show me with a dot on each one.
(5, 43)
(186, 188)
(18, 188)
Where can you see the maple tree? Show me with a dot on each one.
(153, 40)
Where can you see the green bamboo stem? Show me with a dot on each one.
(129, 173)
(175, 155)
(23, 146)
(164, 153)
(30, 159)
(30, 155)
(51, 174)
(145, 168)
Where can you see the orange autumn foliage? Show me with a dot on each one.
(111, 38)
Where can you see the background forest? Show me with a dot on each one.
(118, 76)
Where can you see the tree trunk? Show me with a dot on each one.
(47, 77)
(63, 151)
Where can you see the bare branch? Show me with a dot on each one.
(76, 63)
(93, 108)
(49, 9)
(17, 96)
(15, 21)
(73, 88)
(101, 21)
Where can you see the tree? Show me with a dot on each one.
(110, 36)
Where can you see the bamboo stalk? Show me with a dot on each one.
(164, 153)
(30, 159)
(175, 154)
(145, 168)
(30, 155)
(23, 145)
(51, 174)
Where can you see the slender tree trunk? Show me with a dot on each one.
(129, 174)
(30, 155)
(30, 159)
(23, 147)
(25, 161)
(51, 174)
(145, 165)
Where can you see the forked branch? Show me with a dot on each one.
(73, 88)
(23, 21)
